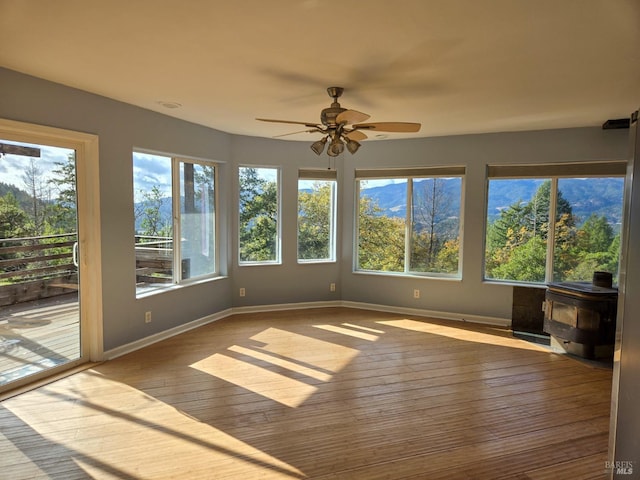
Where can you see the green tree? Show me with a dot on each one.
(500, 231)
(526, 263)
(13, 220)
(510, 239)
(258, 217)
(314, 222)
(381, 239)
(153, 222)
(448, 256)
(596, 234)
(597, 249)
(62, 213)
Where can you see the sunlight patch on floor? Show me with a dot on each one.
(463, 334)
(349, 331)
(329, 356)
(280, 362)
(272, 385)
(106, 443)
(366, 329)
(299, 354)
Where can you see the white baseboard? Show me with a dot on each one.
(287, 306)
(461, 317)
(157, 337)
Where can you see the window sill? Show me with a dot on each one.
(151, 291)
(315, 262)
(410, 275)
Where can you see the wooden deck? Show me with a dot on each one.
(324, 394)
(37, 335)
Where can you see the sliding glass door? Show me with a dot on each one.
(40, 327)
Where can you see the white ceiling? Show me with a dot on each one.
(456, 66)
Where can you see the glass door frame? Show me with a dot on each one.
(88, 212)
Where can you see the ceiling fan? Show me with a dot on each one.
(342, 127)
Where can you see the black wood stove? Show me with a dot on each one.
(581, 316)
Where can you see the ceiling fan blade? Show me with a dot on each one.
(349, 117)
(313, 130)
(292, 122)
(356, 135)
(400, 127)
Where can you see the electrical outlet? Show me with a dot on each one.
(147, 317)
(332, 287)
(242, 292)
(416, 293)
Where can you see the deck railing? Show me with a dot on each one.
(154, 259)
(33, 268)
(37, 267)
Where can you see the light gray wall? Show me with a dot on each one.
(120, 128)
(288, 282)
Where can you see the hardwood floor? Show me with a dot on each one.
(325, 394)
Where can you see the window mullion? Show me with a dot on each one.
(551, 233)
(356, 227)
(408, 226)
(175, 210)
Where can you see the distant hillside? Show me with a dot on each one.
(166, 209)
(392, 198)
(24, 199)
(602, 196)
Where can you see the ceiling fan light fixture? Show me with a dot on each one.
(352, 146)
(318, 146)
(336, 147)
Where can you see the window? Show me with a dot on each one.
(162, 186)
(259, 236)
(580, 203)
(316, 215)
(409, 220)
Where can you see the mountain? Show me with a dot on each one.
(602, 196)
(23, 198)
(392, 198)
(165, 212)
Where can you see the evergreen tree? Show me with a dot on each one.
(314, 222)
(511, 244)
(13, 220)
(258, 217)
(62, 214)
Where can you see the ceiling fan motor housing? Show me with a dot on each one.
(328, 115)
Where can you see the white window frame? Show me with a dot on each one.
(278, 259)
(323, 176)
(409, 174)
(552, 172)
(177, 278)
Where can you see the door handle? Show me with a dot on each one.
(75, 254)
